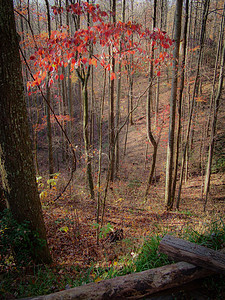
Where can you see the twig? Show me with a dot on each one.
(31, 30)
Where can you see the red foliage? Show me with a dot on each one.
(62, 49)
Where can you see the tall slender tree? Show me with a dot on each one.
(193, 100)
(180, 96)
(150, 136)
(112, 117)
(173, 99)
(215, 117)
(48, 97)
(117, 150)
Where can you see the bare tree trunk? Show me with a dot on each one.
(48, 97)
(148, 111)
(111, 123)
(84, 77)
(70, 100)
(162, 24)
(213, 129)
(131, 75)
(64, 112)
(204, 19)
(180, 96)
(117, 150)
(215, 20)
(100, 156)
(215, 74)
(128, 111)
(86, 136)
(92, 108)
(170, 149)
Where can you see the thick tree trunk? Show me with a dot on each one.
(16, 161)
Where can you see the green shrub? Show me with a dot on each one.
(17, 241)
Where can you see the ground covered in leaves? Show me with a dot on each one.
(71, 220)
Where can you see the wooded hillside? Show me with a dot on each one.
(117, 108)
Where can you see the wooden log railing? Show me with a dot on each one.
(142, 284)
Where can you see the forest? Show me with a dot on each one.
(111, 139)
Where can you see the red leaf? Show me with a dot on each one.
(158, 73)
(103, 14)
(84, 60)
(32, 57)
(61, 76)
(108, 67)
(113, 76)
(93, 62)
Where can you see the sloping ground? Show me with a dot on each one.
(70, 221)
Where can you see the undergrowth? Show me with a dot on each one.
(17, 242)
(38, 280)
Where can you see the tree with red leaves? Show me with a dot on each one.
(76, 51)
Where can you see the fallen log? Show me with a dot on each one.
(182, 250)
(133, 286)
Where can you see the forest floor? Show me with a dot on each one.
(71, 220)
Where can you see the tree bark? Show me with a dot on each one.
(214, 125)
(86, 135)
(150, 136)
(173, 99)
(16, 161)
(118, 96)
(100, 157)
(48, 96)
(180, 96)
(202, 37)
(111, 113)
